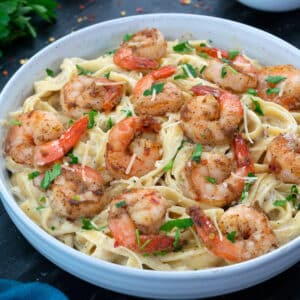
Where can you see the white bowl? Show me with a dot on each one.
(272, 5)
(91, 42)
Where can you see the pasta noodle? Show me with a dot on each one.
(259, 130)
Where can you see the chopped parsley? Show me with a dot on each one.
(280, 203)
(196, 155)
(76, 198)
(83, 71)
(270, 91)
(184, 47)
(187, 69)
(247, 187)
(202, 69)
(92, 114)
(33, 174)
(257, 107)
(225, 60)
(232, 54)
(110, 123)
(70, 122)
(160, 253)
(50, 175)
(158, 88)
(127, 37)
(14, 122)
(292, 197)
(211, 179)
(169, 165)
(232, 70)
(128, 112)
(120, 204)
(53, 228)
(252, 92)
(40, 207)
(203, 45)
(231, 236)
(179, 223)
(106, 75)
(223, 71)
(72, 158)
(146, 244)
(50, 72)
(138, 237)
(88, 225)
(42, 199)
(275, 79)
(177, 239)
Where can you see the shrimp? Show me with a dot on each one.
(211, 118)
(237, 74)
(40, 138)
(142, 51)
(283, 156)
(286, 91)
(77, 192)
(132, 149)
(142, 211)
(170, 99)
(253, 233)
(211, 181)
(83, 93)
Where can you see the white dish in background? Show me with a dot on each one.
(93, 41)
(272, 5)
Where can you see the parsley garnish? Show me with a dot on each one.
(14, 122)
(82, 71)
(53, 228)
(275, 79)
(177, 238)
(184, 47)
(231, 236)
(33, 174)
(110, 52)
(290, 197)
(225, 60)
(106, 75)
(50, 175)
(257, 108)
(280, 203)
(211, 179)
(42, 199)
(76, 198)
(158, 88)
(128, 112)
(70, 122)
(270, 91)
(169, 165)
(179, 223)
(92, 114)
(146, 244)
(120, 204)
(247, 187)
(252, 92)
(40, 207)
(127, 37)
(223, 72)
(160, 253)
(232, 54)
(203, 55)
(88, 225)
(203, 45)
(50, 72)
(196, 155)
(73, 158)
(110, 123)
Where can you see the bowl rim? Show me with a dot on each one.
(8, 199)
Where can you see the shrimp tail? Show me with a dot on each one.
(214, 52)
(163, 72)
(54, 150)
(156, 243)
(242, 154)
(201, 90)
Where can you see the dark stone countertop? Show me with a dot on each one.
(18, 260)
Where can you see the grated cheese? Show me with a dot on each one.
(246, 178)
(172, 124)
(109, 83)
(216, 225)
(219, 54)
(153, 95)
(246, 124)
(132, 159)
(282, 88)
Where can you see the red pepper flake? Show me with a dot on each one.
(81, 6)
(92, 18)
(139, 10)
(185, 2)
(4, 72)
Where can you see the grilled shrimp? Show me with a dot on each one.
(280, 84)
(211, 118)
(40, 139)
(237, 74)
(142, 51)
(253, 235)
(77, 192)
(142, 211)
(283, 156)
(170, 99)
(212, 181)
(83, 93)
(132, 149)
